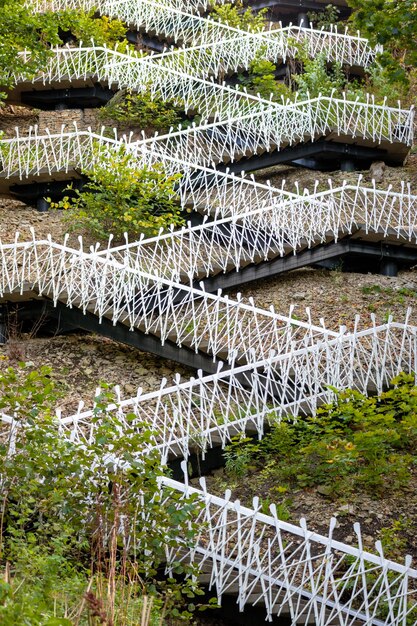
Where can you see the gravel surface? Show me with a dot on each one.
(306, 178)
(81, 362)
(337, 296)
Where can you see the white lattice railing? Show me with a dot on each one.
(236, 51)
(204, 188)
(222, 47)
(246, 237)
(87, 5)
(289, 569)
(292, 570)
(216, 193)
(219, 326)
(278, 224)
(221, 141)
(140, 73)
(275, 128)
(169, 76)
(206, 411)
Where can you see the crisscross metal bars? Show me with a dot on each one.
(275, 128)
(180, 26)
(193, 6)
(234, 53)
(213, 59)
(140, 73)
(215, 324)
(206, 411)
(203, 188)
(221, 141)
(262, 234)
(169, 77)
(340, 47)
(292, 570)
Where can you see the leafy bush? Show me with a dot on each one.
(21, 29)
(325, 19)
(62, 509)
(316, 78)
(391, 23)
(234, 15)
(320, 77)
(355, 443)
(139, 109)
(261, 80)
(121, 197)
(85, 26)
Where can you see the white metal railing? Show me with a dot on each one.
(292, 570)
(271, 129)
(140, 73)
(100, 5)
(251, 236)
(175, 19)
(278, 224)
(206, 411)
(169, 76)
(215, 324)
(274, 128)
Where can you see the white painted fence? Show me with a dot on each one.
(276, 128)
(272, 231)
(223, 141)
(215, 324)
(216, 193)
(100, 5)
(200, 413)
(211, 45)
(294, 571)
(171, 76)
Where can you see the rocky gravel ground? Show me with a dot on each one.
(306, 178)
(80, 363)
(338, 296)
(15, 216)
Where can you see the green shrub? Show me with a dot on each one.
(139, 109)
(391, 23)
(236, 16)
(120, 197)
(356, 443)
(261, 80)
(325, 19)
(62, 506)
(87, 26)
(316, 78)
(21, 29)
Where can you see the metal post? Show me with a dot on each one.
(347, 165)
(3, 324)
(388, 267)
(42, 205)
(302, 20)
